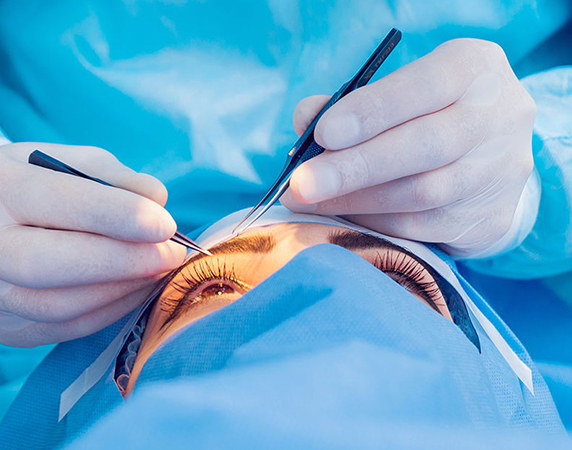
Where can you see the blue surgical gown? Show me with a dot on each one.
(200, 94)
(329, 352)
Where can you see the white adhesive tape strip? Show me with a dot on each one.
(222, 231)
(90, 376)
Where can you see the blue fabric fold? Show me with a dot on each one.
(326, 350)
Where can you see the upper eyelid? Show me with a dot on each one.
(430, 271)
(267, 242)
(257, 243)
(202, 261)
(343, 237)
(202, 269)
(336, 237)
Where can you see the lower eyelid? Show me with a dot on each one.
(169, 304)
(236, 286)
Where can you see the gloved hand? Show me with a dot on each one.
(437, 151)
(75, 255)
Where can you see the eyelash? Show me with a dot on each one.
(402, 268)
(408, 272)
(202, 273)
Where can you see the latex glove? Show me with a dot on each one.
(75, 255)
(437, 151)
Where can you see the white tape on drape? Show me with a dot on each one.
(222, 231)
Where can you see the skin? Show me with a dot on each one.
(437, 151)
(251, 269)
(75, 256)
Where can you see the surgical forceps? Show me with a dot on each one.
(306, 147)
(39, 158)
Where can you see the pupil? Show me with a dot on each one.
(216, 289)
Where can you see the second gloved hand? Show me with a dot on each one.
(438, 151)
(75, 256)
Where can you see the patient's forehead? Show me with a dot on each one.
(223, 229)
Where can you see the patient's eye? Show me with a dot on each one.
(216, 289)
(204, 280)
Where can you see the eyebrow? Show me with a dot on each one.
(348, 239)
(355, 240)
(263, 244)
(247, 244)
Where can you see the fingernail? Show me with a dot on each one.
(173, 254)
(338, 131)
(316, 181)
(156, 223)
(160, 258)
(290, 202)
(152, 188)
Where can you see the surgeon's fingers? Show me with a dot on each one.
(20, 332)
(454, 224)
(464, 178)
(95, 162)
(441, 138)
(65, 304)
(422, 87)
(306, 110)
(39, 258)
(36, 196)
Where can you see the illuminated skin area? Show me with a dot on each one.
(207, 283)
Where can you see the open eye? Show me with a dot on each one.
(217, 288)
(207, 281)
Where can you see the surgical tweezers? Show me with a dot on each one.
(39, 158)
(306, 147)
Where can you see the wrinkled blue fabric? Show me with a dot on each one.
(15, 365)
(542, 320)
(201, 94)
(328, 351)
(203, 101)
(547, 250)
(539, 309)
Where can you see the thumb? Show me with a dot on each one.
(306, 110)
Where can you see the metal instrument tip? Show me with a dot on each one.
(180, 238)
